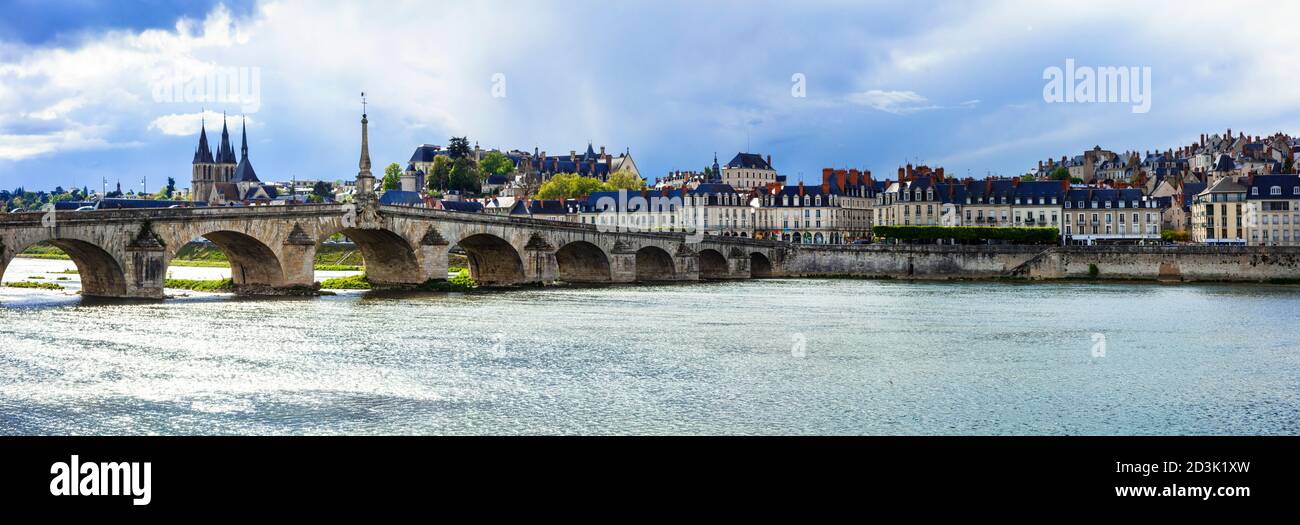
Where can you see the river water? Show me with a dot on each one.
(754, 357)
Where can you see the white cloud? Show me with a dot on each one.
(896, 102)
(187, 124)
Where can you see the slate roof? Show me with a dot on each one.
(749, 161)
(401, 198)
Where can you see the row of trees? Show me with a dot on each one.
(572, 185)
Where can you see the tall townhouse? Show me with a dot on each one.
(1110, 216)
(1273, 210)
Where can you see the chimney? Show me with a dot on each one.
(801, 188)
(769, 161)
(901, 176)
(1065, 185)
(826, 187)
(826, 175)
(939, 172)
(1202, 140)
(1040, 165)
(573, 155)
(988, 186)
(840, 177)
(853, 177)
(1015, 182)
(602, 151)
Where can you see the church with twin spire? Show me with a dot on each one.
(223, 180)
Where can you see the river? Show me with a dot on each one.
(784, 356)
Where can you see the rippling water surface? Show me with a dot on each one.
(754, 357)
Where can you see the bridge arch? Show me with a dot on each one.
(101, 273)
(389, 258)
(759, 265)
(654, 264)
(713, 265)
(493, 261)
(253, 264)
(582, 262)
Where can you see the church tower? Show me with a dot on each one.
(716, 176)
(203, 170)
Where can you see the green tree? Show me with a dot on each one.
(458, 147)
(171, 187)
(1061, 173)
(496, 163)
(322, 191)
(392, 177)
(464, 176)
(570, 186)
(439, 174)
(626, 180)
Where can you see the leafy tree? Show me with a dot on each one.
(171, 187)
(439, 174)
(464, 176)
(322, 191)
(496, 163)
(1061, 173)
(458, 147)
(570, 186)
(626, 180)
(392, 177)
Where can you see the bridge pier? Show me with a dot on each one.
(687, 263)
(433, 255)
(146, 265)
(622, 263)
(738, 264)
(298, 260)
(540, 266)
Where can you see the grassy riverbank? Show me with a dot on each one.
(461, 282)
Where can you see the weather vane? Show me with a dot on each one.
(363, 102)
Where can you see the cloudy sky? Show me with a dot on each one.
(92, 90)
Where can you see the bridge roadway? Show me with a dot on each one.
(272, 249)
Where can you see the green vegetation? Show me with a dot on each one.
(1061, 173)
(352, 282)
(969, 234)
(1175, 236)
(392, 177)
(461, 282)
(496, 163)
(328, 257)
(27, 284)
(626, 180)
(72, 271)
(44, 251)
(198, 285)
(1093, 271)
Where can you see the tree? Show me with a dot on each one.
(464, 176)
(322, 190)
(496, 163)
(458, 147)
(171, 187)
(570, 186)
(392, 177)
(439, 174)
(1061, 173)
(626, 180)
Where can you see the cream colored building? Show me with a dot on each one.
(1218, 213)
(1272, 215)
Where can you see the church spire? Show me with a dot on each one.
(225, 153)
(243, 142)
(203, 155)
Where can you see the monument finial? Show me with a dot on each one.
(365, 180)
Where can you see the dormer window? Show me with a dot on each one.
(1067, 203)
(1275, 190)
(1254, 191)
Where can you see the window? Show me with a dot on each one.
(1275, 190)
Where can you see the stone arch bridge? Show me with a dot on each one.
(272, 249)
